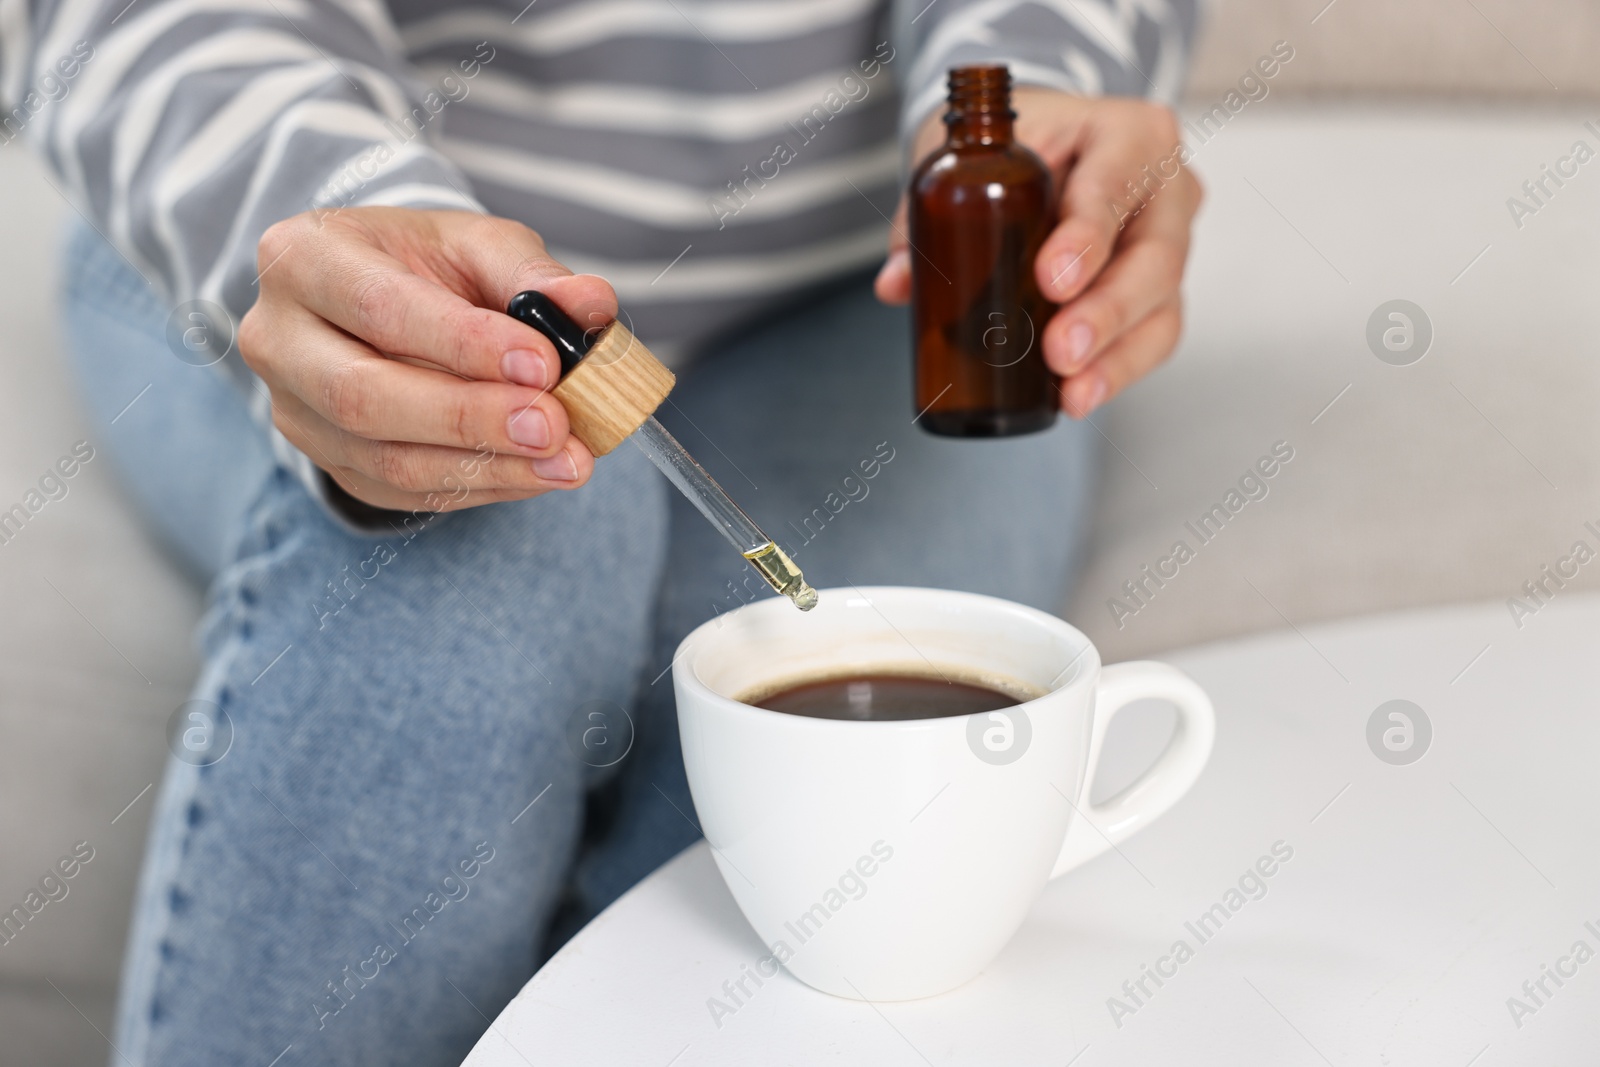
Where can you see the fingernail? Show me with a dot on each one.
(529, 427)
(1079, 339)
(557, 468)
(1064, 272)
(524, 367)
(1096, 397)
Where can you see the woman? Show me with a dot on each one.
(407, 814)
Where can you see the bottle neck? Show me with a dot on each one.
(980, 107)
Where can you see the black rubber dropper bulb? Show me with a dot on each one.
(572, 342)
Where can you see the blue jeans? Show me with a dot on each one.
(406, 820)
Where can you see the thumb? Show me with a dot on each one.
(893, 285)
(499, 258)
(894, 280)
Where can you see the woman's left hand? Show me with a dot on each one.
(1115, 260)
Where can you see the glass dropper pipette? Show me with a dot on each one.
(734, 525)
(572, 343)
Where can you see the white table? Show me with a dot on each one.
(1418, 899)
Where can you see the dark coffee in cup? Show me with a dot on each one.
(889, 695)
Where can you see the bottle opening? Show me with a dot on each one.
(980, 92)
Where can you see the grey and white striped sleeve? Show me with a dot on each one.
(1092, 47)
(182, 129)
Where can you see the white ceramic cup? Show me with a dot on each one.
(894, 860)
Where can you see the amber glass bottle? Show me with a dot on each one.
(980, 208)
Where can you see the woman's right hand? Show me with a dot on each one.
(381, 335)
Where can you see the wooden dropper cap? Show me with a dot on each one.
(610, 382)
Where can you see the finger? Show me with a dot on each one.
(322, 441)
(309, 432)
(893, 284)
(1135, 354)
(432, 469)
(384, 496)
(1144, 275)
(1128, 156)
(501, 258)
(346, 278)
(350, 279)
(422, 469)
(1086, 235)
(369, 395)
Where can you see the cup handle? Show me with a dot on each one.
(1095, 828)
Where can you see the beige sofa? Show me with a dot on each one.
(1452, 479)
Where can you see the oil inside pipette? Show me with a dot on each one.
(781, 573)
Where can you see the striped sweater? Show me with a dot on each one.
(711, 158)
